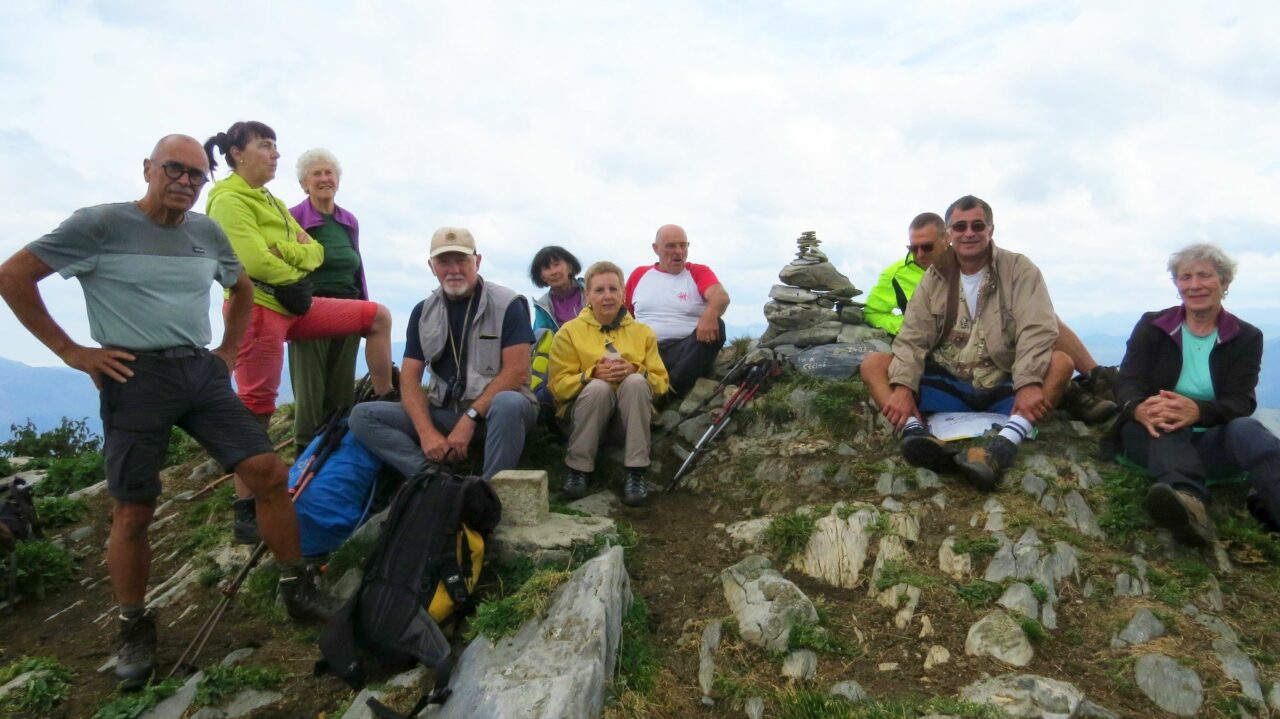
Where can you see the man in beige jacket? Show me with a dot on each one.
(978, 336)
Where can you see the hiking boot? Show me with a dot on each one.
(1253, 503)
(921, 449)
(635, 490)
(1085, 406)
(983, 466)
(1182, 514)
(575, 485)
(1102, 381)
(245, 527)
(136, 657)
(303, 600)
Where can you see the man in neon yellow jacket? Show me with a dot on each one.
(926, 242)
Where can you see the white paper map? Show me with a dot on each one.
(947, 426)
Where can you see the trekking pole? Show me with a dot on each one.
(233, 587)
(756, 378)
(728, 378)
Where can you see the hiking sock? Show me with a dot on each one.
(131, 611)
(911, 422)
(1016, 429)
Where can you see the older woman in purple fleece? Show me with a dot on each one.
(323, 370)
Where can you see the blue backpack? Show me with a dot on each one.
(336, 498)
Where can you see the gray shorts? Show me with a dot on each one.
(185, 387)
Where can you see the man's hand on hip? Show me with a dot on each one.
(99, 362)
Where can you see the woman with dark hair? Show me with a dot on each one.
(1187, 387)
(557, 269)
(605, 372)
(323, 370)
(277, 253)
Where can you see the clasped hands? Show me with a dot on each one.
(613, 370)
(1166, 412)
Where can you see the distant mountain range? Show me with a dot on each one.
(47, 394)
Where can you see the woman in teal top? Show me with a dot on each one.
(1187, 387)
(323, 370)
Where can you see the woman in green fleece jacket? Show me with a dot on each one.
(275, 251)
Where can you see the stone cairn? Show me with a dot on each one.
(814, 306)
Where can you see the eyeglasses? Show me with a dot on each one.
(922, 247)
(963, 226)
(175, 171)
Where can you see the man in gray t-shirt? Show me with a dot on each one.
(145, 268)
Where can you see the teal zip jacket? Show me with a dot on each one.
(895, 286)
(264, 236)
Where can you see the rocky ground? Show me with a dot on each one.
(802, 560)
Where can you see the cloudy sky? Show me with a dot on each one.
(1104, 137)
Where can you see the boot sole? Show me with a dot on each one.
(1169, 512)
(979, 476)
(927, 453)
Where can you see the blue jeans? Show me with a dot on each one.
(387, 432)
(941, 392)
(1183, 459)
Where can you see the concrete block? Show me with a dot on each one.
(524, 496)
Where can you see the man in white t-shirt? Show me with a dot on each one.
(683, 303)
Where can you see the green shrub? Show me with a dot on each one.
(69, 438)
(6, 467)
(42, 565)
(896, 571)
(205, 537)
(220, 683)
(135, 704)
(67, 474)
(980, 547)
(260, 592)
(808, 635)
(809, 704)
(1125, 491)
(60, 511)
(47, 689)
(1033, 629)
(835, 402)
(979, 592)
(788, 534)
(181, 447)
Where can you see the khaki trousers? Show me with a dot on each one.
(624, 413)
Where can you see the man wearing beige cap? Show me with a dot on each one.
(473, 337)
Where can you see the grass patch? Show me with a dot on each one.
(181, 447)
(809, 704)
(637, 656)
(42, 565)
(566, 509)
(1033, 629)
(979, 547)
(896, 571)
(808, 635)
(218, 503)
(205, 537)
(67, 474)
(135, 704)
(979, 592)
(788, 534)
(1241, 528)
(351, 555)
(1125, 490)
(502, 617)
(220, 683)
(60, 511)
(259, 591)
(1039, 591)
(40, 693)
(6, 467)
(836, 403)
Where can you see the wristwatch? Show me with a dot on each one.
(474, 414)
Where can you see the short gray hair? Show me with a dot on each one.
(311, 157)
(1225, 266)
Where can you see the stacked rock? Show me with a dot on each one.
(814, 306)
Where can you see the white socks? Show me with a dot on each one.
(1016, 429)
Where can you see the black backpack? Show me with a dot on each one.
(421, 548)
(18, 509)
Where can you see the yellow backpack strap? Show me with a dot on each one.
(540, 357)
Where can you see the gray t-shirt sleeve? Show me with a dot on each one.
(229, 267)
(74, 247)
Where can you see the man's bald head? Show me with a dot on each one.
(671, 245)
(168, 143)
(176, 171)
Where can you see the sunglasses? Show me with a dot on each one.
(175, 170)
(963, 226)
(922, 247)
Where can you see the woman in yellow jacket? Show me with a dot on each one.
(276, 252)
(605, 372)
